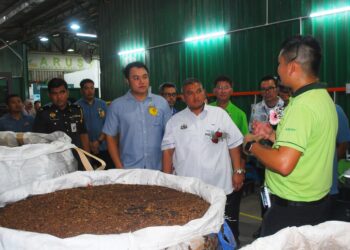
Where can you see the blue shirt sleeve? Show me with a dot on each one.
(111, 125)
(343, 134)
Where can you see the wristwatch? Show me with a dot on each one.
(248, 146)
(239, 171)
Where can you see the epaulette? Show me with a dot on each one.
(46, 107)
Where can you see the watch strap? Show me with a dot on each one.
(248, 146)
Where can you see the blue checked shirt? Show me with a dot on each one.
(140, 125)
(94, 117)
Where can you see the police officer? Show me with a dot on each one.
(95, 111)
(61, 115)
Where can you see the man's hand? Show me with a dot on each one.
(248, 138)
(264, 130)
(237, 181)
(94, 146)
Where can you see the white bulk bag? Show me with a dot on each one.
(162, 237)
(26, 157)
(324, 236)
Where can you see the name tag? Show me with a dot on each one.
(73, 127)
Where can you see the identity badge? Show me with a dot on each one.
(73, 127)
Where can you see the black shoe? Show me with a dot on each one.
(257, 233)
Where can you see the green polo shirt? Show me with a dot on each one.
(237, 115)
(309, 125)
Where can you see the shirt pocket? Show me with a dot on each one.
(157, 119)
(187, 135)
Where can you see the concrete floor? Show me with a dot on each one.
(250, 217)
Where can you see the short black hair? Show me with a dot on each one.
(55, 83)
(305, 50)
(166, 85)
(269, 77)
(190, 81)
(137, 64)
(85, 81)
(223, 78)
(9, 97)
(37, 101)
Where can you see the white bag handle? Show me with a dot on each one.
(87, 165)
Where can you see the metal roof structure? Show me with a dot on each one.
(27, 20)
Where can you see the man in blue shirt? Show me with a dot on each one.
(15, 120)
(135, 123)
(343, 138)
(95, 111)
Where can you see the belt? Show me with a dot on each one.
(286, 203)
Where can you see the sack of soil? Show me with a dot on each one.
(191, 235)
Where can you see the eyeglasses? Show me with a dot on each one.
(169, 94)
(267, 89)
(223, 88)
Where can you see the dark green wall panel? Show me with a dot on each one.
(246, 54)
(9, 62)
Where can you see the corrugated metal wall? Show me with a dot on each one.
(44, 76)
(245, 55)
(9, 62)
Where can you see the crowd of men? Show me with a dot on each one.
(143, 130)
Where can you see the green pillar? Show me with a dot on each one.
(25, 86)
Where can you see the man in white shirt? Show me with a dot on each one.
(202, 141)
(271, 100)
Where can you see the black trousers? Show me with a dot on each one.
(280, 216)
(232, 208)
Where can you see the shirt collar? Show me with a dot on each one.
(311, 86)
(9, 116)
(86, 102)
(229, 103)
(56, 107)
(130, 96)
(279, 103)
(202, 114)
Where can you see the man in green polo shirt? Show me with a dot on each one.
(299, 165)
(223, 91)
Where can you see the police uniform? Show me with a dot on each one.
(70, 120)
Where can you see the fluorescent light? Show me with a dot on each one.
(75, 26)
(125, 52)
(70, 50)
(43, 38)
(86, 35)
(206, 36)
(328, 12)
